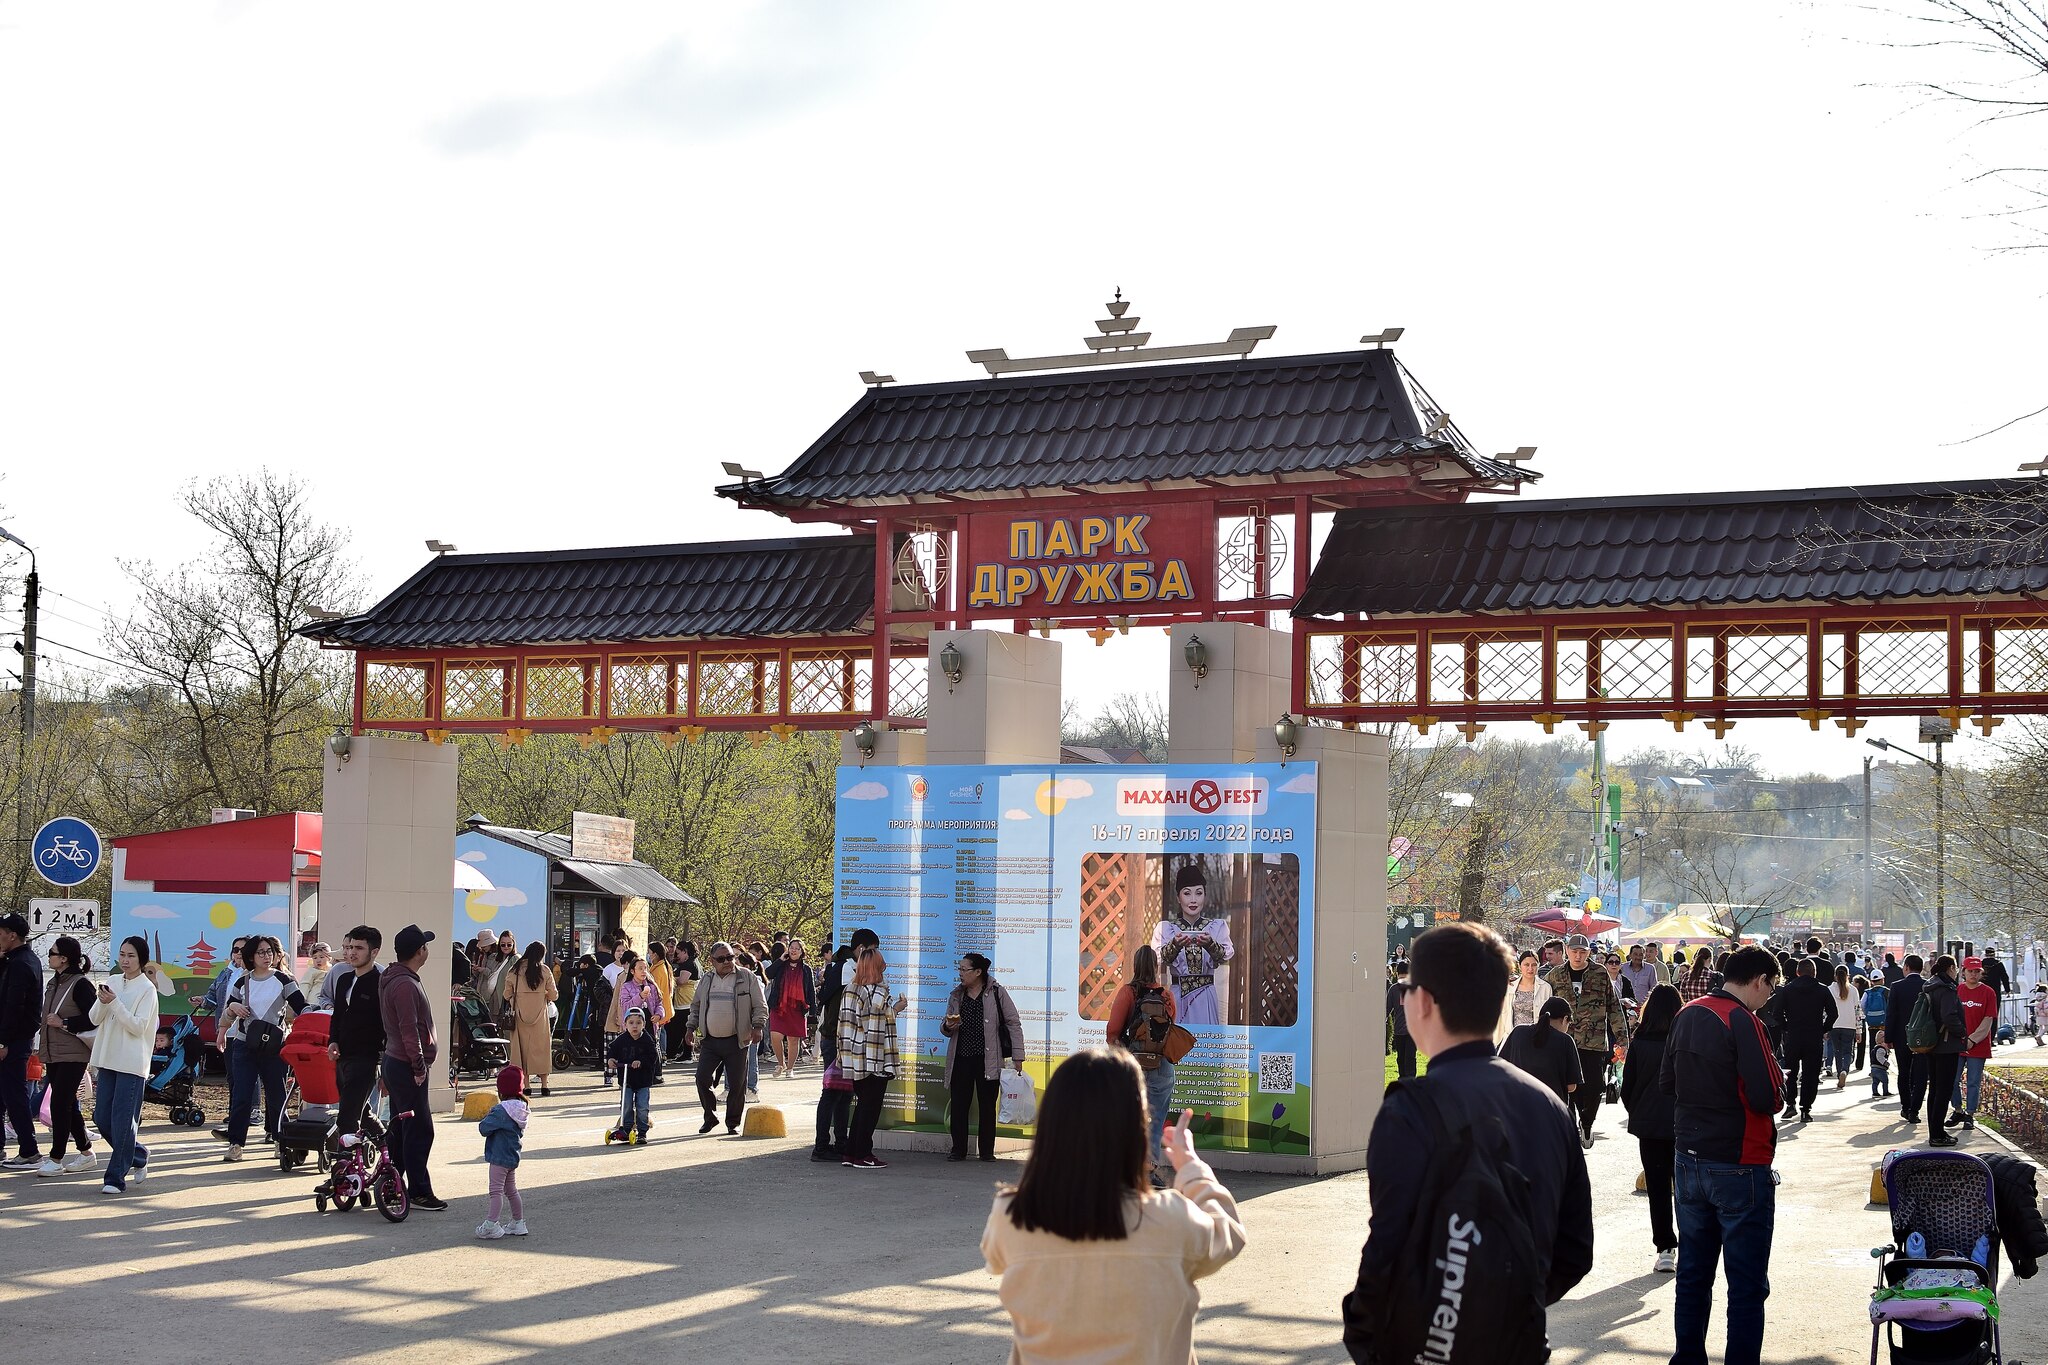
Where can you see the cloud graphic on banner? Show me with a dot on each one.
(274, 915)
(1072, 789)
(152, 912)
(502, 896)
(1304, 785)
(1052, 796)
(864, 791)
(1015, 814)
(473, 856)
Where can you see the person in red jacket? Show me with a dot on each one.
(1980, 1022)
(1726, 1089)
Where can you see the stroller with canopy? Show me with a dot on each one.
(1936, 1301)
(306, 1131)
(174, 1070)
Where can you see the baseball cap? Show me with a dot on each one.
(1575, 941)
(410, 940)
(1973, 964)
(14, 924)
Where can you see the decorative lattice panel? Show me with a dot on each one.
(560, 689)
(1905, 660)
(1109, 891)
(1628, 667)
(910, 680)
(2021, 655)
(1276, 933)
(738, 684)
(476, 691)
(395, 692)
(1370, 672)
(1768, 664)
(831, 682)
(641, 687)
(1487, 669)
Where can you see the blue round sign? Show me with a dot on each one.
(66, 851)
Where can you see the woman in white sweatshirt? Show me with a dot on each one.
(125, 1015)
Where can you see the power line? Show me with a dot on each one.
(126, 667)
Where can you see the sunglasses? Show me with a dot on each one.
(721, 957)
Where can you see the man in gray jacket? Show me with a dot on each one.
(725, 1020)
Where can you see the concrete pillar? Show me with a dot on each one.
(388, 857)
(1227, 715)
(1006, 706)
(893, 749)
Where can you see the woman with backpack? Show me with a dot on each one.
(1652, 1117)
(1949, 1038)
(1140, 1014)
(983, 1033)
(256, 1013)
(1093, 1265)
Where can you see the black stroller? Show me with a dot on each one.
(1936, 1301)
(479, 1048)
(174, 1071)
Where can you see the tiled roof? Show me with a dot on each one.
(808, 586)
(1229, 419)
(1834, 544)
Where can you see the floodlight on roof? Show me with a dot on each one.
(874, 381)
(1443, 419)
(2039, 466)
(440, 547)
(1383, 339)
(744, 475)
(1518, 455)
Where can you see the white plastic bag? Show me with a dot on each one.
(1020, 1102)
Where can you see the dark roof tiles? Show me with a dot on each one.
(1672, 551)
(817, 585)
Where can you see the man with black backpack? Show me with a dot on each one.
(1482, 1216)
(1912, 1066)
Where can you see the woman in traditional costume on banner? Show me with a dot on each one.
(1193, 942)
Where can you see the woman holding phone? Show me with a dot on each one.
(124, 1013)
(1094, 1265)
(867, 1053)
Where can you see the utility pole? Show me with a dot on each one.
(1940, 857)
(1868, 914)
(31, 592)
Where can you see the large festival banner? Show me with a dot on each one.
(1059, 875)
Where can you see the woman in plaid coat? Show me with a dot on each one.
(867, 1053)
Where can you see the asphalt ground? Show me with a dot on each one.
(722, 1247)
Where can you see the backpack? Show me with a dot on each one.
(1923, 1027)
(1468, 1285)
(1145, 1031)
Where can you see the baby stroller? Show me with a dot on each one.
(479, 1050)
(305, 1052)
(174, 1070)
(1936, 1301)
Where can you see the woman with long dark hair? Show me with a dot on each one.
(1545, 1050)
(1094, 1265)
(67, 1012)
(125, 1017)
(1141, 1014)
(529, 990)
(1652, 1117)
(980, 1019)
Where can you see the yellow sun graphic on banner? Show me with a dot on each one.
(222, 914)
(1050, 802)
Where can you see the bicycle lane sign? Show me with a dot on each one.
(66, 851)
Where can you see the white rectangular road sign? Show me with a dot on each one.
(51, 917)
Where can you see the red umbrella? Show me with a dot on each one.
(1563, 919)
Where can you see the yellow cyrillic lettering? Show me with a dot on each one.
(988, 586)
(1018, 586)
(1053, 578)
(1023, 540)
(1094, 534)
(1098, 582)
(1060, 539)
(1130, 534)
(1137, 580)
(1173, 580)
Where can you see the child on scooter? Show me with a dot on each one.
(634, 1058)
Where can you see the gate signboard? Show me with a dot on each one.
(1100, 565)
(1059, 876)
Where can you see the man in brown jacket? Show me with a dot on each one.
(409, 1050)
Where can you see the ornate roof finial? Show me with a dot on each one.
(1118, 340)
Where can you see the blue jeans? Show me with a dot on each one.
(1972, 1078)
(117, 1113)
(1842, 1050)
(1158, 1099)
(634, 1104)
(1724, 1211)
(754, 1066)
(245, 1071)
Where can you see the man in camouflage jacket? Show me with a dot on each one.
(1598, 1024)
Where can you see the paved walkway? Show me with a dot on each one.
(732, 1248)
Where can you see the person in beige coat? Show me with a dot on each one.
(1096, 1266)
(529, 990)
(1524, 1004)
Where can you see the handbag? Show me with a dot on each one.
(262, 1039)
(1179, 1043)
(835, 1079)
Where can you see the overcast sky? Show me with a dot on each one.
(521, 276)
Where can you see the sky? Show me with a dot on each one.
(521, 276)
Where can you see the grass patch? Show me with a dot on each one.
(1394, 1070)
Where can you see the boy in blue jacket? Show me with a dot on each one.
(504, 1130)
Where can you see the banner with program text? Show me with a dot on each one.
(1059, 875)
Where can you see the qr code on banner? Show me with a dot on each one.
(1276, 1073)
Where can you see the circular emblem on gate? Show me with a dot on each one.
(1205, 797)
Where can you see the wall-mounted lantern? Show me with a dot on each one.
(1197, 655)
(953, 664)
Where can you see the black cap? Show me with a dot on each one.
(14, 924)
(410, 940)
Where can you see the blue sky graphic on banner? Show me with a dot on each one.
(1059, 875)
(189, 932)
(517, 897)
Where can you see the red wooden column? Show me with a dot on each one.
(885, 577)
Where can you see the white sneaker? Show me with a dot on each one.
(109, 1189)
(516, 1228)
(49, 1167)
(21, 1163)
(489, 1231)
(753, 1097)
(80, 1161)
(137, 1172)
(1667, 1262)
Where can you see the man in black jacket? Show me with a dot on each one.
(1458, 976)
(1808, 1009)
(21, 1013)
(1912, 1066)
(1726, 1088)
(355, 1038)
